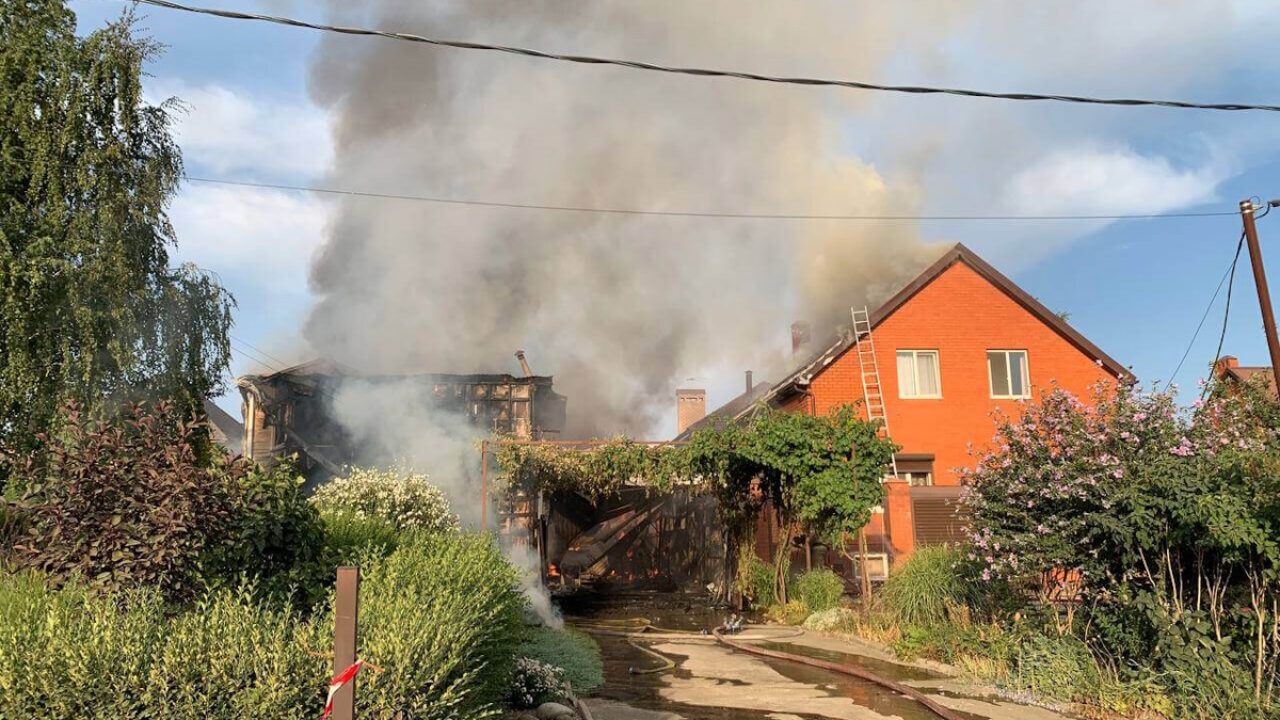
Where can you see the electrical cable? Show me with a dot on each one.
(705, 72)
(696, 214)
(1217, 355)
(1208, 308)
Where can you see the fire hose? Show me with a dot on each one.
(638, 630)
(925, 700)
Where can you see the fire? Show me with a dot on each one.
(552, 570)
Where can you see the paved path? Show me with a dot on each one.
(712, 682)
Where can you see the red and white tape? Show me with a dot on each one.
(336, 684)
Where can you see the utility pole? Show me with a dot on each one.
(1247, 209)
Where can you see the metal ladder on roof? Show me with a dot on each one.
(869, 369)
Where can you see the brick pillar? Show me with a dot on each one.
(899, 525)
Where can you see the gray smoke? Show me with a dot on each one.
(620, 308)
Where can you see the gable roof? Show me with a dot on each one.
(957, 254)
(227, 431)
(1247, 373)
(729, 410)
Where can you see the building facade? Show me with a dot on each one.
(953, 349)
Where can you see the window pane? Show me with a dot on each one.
(1018, 374)
(927, 372)
(906, 374)
(999, 370)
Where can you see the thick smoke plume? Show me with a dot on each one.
(620, 308)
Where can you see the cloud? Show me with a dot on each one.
(1091, 180)
(224, 130)
(254, 238)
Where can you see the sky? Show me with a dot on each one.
(1137, 288)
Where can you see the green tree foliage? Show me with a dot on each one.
(90, 308)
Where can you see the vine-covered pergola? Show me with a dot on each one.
(819, 472)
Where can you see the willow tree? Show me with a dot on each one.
(90, 308)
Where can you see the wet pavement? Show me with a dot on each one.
(713, 682)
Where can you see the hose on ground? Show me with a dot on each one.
(737, 644)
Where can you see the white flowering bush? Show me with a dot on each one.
(399, 496)
(535, 682)
(832, 620)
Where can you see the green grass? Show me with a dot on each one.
(571, 650)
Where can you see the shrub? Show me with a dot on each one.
(920, 591)
(125, 503)
(69, 654)
(832, 620)
(275, 536)
(348, 537)
(233, 656)
(535, 682)
(819, 589)
(442, 618)
(792, 613)
(570, 650)
(1057, 667)
(398, 495)
(755, 580)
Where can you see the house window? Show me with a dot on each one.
(1008, 372)
(918, 374)
(917, 479)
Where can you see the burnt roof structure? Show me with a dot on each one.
(290, 412)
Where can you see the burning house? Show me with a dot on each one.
(290, 412)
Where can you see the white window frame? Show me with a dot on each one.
(916, 478)
(915, 368)
(1008, 369)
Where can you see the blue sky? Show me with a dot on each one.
(1137, 288)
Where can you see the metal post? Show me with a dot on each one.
(1260, 280)
(484, 485)
(346, 611)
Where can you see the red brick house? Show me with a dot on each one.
(958, 343)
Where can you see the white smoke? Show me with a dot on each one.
(619, 308)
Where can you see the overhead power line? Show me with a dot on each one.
(707, 72)
(1226, 311)
(690, 213)
(1230, 271)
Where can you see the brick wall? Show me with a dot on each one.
(960, 315)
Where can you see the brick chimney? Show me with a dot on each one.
(691, 406)
(1224, 363)
(799, 336)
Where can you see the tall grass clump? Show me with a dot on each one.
(755, 580)
(442, 618)
(398, 495)
(818, 589)
(920, 591)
